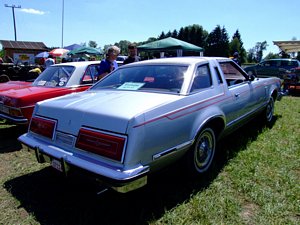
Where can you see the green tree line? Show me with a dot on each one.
(215, 43)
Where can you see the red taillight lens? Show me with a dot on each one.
(42, 127)
(15, 112)
(100, 143)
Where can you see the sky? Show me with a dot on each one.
(107, 22)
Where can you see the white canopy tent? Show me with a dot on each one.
(288, 46)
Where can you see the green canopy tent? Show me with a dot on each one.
(170, 44)
(85, 50)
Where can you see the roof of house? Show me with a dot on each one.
(23, 45)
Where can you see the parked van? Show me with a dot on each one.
(272, 67)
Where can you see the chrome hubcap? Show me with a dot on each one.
(204, 151)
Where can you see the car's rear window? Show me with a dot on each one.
(55, 76)
(167, 78)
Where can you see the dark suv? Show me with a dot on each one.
(272, 67)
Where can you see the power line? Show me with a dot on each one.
(13, 11)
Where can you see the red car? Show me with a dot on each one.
(17, 104)
(292, 81)
(14, 85)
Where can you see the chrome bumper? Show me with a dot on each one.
(120, 180)
(15, 120)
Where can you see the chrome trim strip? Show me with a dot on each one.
(171, 150)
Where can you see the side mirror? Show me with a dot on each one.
(251, 77)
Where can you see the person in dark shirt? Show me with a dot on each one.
(132, 51)
(236, 58)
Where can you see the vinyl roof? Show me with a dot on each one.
(288, 46)
(23, 45)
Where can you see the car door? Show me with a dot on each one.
(242, 92)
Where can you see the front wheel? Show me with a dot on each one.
(202, 151)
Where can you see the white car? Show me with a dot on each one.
(146, 115)
(120, 59)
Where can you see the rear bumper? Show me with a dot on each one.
(120, 180)
(14, 120)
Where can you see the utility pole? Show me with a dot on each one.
(62, 24)
(13, 11)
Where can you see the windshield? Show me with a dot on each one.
(165, 78)
(54, 76)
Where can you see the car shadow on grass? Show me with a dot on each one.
(54, 199)
(8, 138)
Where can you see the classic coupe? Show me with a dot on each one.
(145, 116)
(9, 85)
(17, 104)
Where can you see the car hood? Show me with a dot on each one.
(30, 95)
(105, 110)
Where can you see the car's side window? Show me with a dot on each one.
(220, 80)
(202, 78)
(90, 75)
(232, 75)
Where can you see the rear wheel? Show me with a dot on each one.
(269, 111)
(202, 152)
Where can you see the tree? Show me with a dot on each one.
(174, 34)
(260, 47)
(201, 36)
(93, 44)
(251, 56)
(169, 34)
(236, 45)
(180, 35)
(217, 43)
(272, 56)
(255, 54)
(161, 36)
(123, 45)
(186, 36)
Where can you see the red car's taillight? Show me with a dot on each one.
(15, 112)
(100, 143)
(42, 127)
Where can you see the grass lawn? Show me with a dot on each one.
(255, 180)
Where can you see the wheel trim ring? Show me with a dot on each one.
(204, 147)
(270, 110)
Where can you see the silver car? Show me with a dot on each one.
(145, 116)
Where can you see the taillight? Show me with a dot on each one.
(42, 127)
(107, 145)
(15, 112)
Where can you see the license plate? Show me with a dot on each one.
(57, 165)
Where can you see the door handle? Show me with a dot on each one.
(237, 95)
